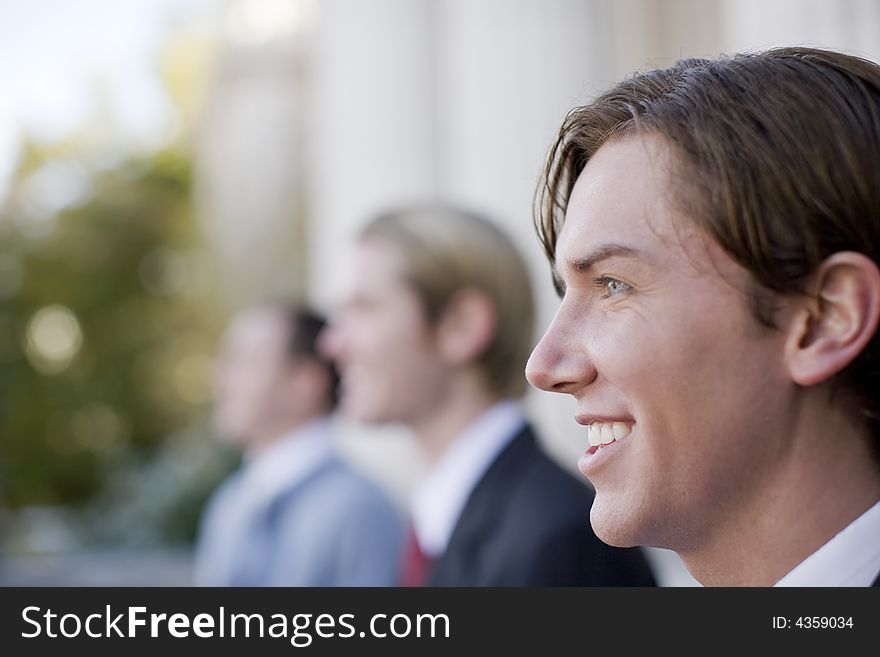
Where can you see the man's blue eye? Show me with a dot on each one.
(612, 287)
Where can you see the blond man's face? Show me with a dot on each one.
(391, 369)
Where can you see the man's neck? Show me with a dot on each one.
(262, 443)
(468, 400)
(830, 479)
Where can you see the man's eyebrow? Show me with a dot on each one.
(583, 264)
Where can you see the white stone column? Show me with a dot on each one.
(249, 164)
(371, 125)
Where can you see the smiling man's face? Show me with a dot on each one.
(656, 341)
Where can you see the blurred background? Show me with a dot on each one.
(165, 162)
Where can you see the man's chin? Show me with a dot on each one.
(612, 527)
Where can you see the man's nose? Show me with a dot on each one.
(559, 362)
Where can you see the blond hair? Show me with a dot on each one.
(447, 250)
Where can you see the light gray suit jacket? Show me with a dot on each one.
(332, 528)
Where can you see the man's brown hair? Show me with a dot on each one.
(776, 156)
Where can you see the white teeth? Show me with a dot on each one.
(620, 430)
(603, 433)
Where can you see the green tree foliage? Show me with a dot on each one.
(106, 321)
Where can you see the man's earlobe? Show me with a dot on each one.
(837, 320)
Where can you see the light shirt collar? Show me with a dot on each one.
(287, 461)
(441, 497)
(852, 558)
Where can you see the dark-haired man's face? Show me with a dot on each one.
(252, 370)
(682, 395)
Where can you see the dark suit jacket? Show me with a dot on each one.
(527, 523)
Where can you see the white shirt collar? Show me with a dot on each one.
(287, 461)
(852, 558)
(441, 497)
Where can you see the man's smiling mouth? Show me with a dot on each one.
(601, 434)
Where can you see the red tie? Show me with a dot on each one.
(416, 564)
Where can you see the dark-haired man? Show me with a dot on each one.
(294, 514)
(714, 233)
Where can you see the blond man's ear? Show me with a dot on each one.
(467, 327)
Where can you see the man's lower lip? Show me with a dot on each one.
(594, 455)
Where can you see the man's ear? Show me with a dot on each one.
(837, 320)
(467, 327)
